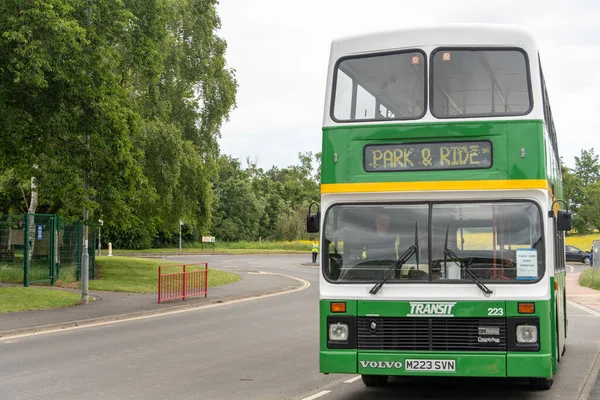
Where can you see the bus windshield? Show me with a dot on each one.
(495, 241)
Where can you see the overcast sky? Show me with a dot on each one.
(280, 51)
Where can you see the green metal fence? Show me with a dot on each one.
(39, 255)
(40, 248)
(71, 247)
(11, 248)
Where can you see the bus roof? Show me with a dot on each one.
(438, 35)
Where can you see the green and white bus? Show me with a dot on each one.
(441, 220)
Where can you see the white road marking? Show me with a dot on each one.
(305, 285)
(587, 310)
(316, 396)
(582, 315)
(353, 379)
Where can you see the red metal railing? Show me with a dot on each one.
(184, 283)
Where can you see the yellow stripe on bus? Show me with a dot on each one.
(434, 185)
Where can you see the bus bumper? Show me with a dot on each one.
(529, 365)
(427, 364)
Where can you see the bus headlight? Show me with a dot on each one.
(527, 334)
(338, 332)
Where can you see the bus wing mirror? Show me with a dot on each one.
(563, 220)
(313, 219)
(312, 222)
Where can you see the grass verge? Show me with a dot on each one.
(243, 247)
(13, 272)
(14, 299)
(127, 274)
(590, 278)
(208, 251)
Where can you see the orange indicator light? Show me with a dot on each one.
(338, 307)
(526, 308)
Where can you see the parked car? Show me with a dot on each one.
(575, 254)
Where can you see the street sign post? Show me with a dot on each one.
(208, 239)
(180, 225)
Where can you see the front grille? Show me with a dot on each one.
(444, 334)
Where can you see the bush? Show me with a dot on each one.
(590, 278)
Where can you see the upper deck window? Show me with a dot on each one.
(480, 83)
(380, 87)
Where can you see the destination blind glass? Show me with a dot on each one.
(428, 156)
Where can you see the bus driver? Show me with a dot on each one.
(382, 246)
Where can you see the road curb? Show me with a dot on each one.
(137, 314)
(590, 380)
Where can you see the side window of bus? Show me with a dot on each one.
(333, 244)
(548, 120)
(559, 250)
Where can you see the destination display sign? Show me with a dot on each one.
(428, 156)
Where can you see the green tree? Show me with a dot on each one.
(586, 173)
(238, 211)
(587, 167)
(290, 191)
(252, 203)
(590, 211)
(146, 82)
(184, 92)
(57, 86)
(573, 191)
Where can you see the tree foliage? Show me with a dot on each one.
(587, 167)
(590, 210)
(581, 191)
(252, 204)
(134, 92)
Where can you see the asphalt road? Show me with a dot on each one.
(260, 349)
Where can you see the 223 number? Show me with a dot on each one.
(496, 311)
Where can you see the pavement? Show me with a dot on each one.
(582, 295)
(110, 306)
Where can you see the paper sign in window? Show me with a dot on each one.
(527, 265)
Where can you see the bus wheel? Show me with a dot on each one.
(541, 383)
(374, 380)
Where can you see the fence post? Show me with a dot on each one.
(159, 285)
(184, 281)
(52, 250)
(206, 280)
(25, 249)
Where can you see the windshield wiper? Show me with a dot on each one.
(453, 257)
(413, 249)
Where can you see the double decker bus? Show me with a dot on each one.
(441, 220)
